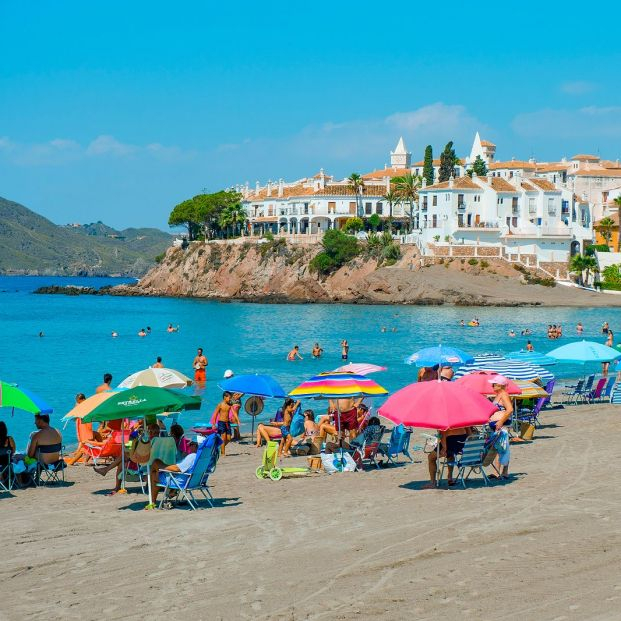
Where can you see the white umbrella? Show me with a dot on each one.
(159, 378)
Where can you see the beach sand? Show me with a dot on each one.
(348, 546)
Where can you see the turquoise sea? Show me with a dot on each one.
(77, 348)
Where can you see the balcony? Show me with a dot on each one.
(515, 211)
(461, 207)
(480, 225)
(552, 212)
(424, 208)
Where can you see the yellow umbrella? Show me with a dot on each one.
(530, 390)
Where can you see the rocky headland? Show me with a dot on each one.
(278, 271)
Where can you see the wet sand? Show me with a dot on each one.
(367, 545)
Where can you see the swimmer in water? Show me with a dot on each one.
(41, 334)
(462, 323)
(171, 329)
(142, 332)
(579, 328)
(317, 351)
(511, 333)
(114, 334)
(294, 353)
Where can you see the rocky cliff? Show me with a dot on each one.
(277, 271)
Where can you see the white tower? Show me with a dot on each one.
(400, 157)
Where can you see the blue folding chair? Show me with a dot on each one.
(399, 444)
(195, 479)
(607, 394)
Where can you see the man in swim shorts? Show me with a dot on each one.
(344, 349)
(199, 364)
(222, 419)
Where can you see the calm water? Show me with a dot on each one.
(77, 348)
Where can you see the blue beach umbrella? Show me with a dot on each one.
(534, 357)
(440, 355)
(259, 385)
(583, 352)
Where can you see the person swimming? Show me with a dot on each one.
(317, 351)
(294, 353)
(142, 332)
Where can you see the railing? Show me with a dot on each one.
(479, 225)
(461, 207)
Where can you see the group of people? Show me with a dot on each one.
(317, 352)
(142, 332)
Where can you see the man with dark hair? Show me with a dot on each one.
(200, 364)
(107, 381)
(45, 436)
(221, 416)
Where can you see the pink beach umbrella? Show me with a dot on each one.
(479, 381)
(437, 405)
(360, 368)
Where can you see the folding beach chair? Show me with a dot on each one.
(574, 392)
(596, 393)
(471, 459)
(6, 470)
(399, 444)
(549, 388)
(366, 445)
(110, 449)
(195, 479)
(531, 415)
(607, 393)
(49, 473)
(586, 389)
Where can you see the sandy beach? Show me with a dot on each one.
(351, 546)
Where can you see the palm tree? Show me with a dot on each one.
(605, 227)
(617, 202)
(233, 216)
(392, 198)
(357, 184)
(407, 188)
(576, 265)
(590, 265)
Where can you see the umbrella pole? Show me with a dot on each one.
(122, 490)
(340, 428)
(148, 466)
(438, 461)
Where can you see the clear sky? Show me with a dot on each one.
(117, 110)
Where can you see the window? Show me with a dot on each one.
(379, 209)
(424, 202)
(551, 207)
(331, 206)
(447, 197)
(434, 200)
(305, 209)
(514, 205)
(352, 208)
(460, 200)
(434, 221)
(532, 206)
(368, 208)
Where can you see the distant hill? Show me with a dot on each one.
(31, 244)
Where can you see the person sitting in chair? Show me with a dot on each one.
(45, 436)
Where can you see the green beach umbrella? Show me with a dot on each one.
(11, 396)
(139, 402)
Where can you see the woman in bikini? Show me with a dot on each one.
(500, 420)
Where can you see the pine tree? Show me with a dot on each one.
(448, 160)
(428, 165)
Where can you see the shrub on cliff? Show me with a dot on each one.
(338, 249)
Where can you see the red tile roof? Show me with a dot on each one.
(512, 165)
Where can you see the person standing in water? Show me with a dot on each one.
(579, 329)
(158, 363)
(344, 349)
(317, 351)
(529, 346)
(294, 354)
(200, 364)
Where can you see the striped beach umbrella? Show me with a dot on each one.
(513, 369)
(533, 357)
(337, 385)
(360, 368)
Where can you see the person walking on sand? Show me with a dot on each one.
(200, 364)
(107, 381)
(344, 349)
(223, 423)
(294, 354)
(609, 343)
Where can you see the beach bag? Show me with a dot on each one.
(333, 462)
(297, 424)
(527, 431)
(142, 451)
(501, 443)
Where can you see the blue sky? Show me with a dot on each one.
(116, 111)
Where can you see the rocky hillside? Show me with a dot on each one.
(31, 244)
(279, 272)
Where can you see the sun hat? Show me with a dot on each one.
(228, 373)
(501, 380)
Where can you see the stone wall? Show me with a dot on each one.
(557, 268)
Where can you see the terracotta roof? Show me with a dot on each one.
(543, 184)
(586, 158)
(386, 172)
(461, 183)
(610, 164)
(288, 192)
(552, 167)
(436, 162)
(529, 187)
(487, 143)
(596, 171)
(513, 164)
(325, 174)
(499, 184)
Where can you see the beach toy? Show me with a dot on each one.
(270, 469)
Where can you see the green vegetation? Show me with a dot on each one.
(353, 225)
(478, 167)
(448, 161)
(605, 228)
(356, 183)
(160, 257)
(338, 249)
(392, 198)
(436, 238)
(484, 264)
(428, 173)
(617, 202)
(531, 279)
(589, 251)
(210, 215)
(612, 278)
(374, 221)
(582, 264)
(473, 261)
(406, 188)
(29, 243)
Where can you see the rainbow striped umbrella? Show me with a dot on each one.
(336, 385)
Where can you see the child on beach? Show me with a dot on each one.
(285, 441)
(221, 415)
